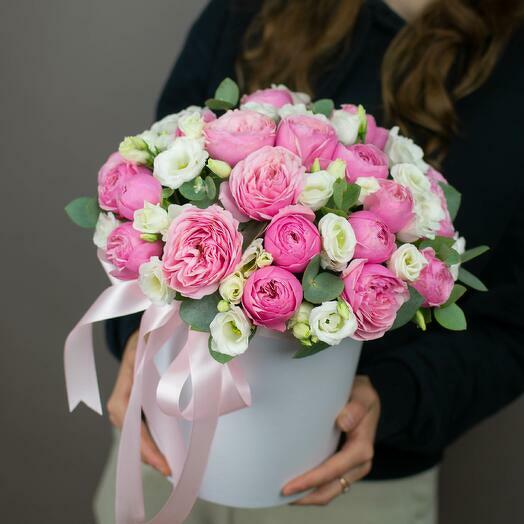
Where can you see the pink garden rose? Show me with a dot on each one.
(292, 238)
(362, 160)
(392, 203)
(271, 297)
(265, 182)
(110, 178)
(375, 295)
(310, 137)
(135, 190)
(375, 242)
(275, 96)
(203, 246)
(376, 135)
(435, 281)
(236, 134)
(127, 251)
(446, 225)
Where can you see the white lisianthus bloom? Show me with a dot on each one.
(337, 169)
(338, 242)
(459, 246)
(428, 214)
(230, 332)
(157, 142)
(182, 162)
(368, 185)
(135, 149)
(232, 287)
(191, 124)
(407, 262)
(152, 218)
(346, 125)
(264, 109)
(248, 262)
(169, 124)
(294, 109)
(297, 96)
(104, 227)
(329, 325)
(410, 176)
(318, 189)
(264, 259)
(401, 149)
(153, 283)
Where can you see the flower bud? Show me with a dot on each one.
(264, 259)
(343, 309)
(223, 306)
(301, 331)
(232, 287)
(135, 149)
(219, 167)
(337, 169)
(315, 166)
(149, 237)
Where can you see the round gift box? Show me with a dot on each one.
(288, 429)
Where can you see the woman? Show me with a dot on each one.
(449, 72)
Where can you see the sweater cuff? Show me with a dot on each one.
(398, 392)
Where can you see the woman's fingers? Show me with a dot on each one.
(363, 399)
(150, 453)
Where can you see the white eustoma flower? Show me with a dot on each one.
(104, 227)
(346, 125)
(410, 176)
(232, 287)
(368, 185)
(294, 109)
(338, 242)
(401, 149)
(153, 283)
(407, 262)
(230, 332)
(297, 96)
(337, 169)
(135, 149)
(329, 325)
(191, 124)
(264, 109)
(152, 218)
(157, 142)
(460, 247)
(169, 124)
(182, 162)
(318, 188)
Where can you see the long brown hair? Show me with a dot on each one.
(434, 61)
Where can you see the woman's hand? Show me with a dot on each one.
(117, 407)
(359, 420)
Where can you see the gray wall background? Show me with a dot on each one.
(76, 76)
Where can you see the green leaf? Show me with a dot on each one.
(326, 210)
(451, 257)
(211, 188)
(323, 288)
(456, 293)
(218, 105)
(323, 106)
(453, 198)
(307, 351)
(180, 297)
(475, 252)
(311, 270)
(83, 211)
(228, 91)
(199, 313)
(408, 310)
(250, 231)
(471, 280)
(451, 317)
(443, 249)
(221, 358)
(167, 192)
(345, 195)
(426, 313)
(194, 190)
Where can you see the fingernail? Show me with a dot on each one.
(288, 490)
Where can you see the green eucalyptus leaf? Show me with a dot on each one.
(408, 310)
(221, 358)
(83, 211)
(211, 188)
(323, 106)
(471, 280)
(326, 210)
(451, 317)
(323, 288)
(311, 270)
(167, 192)
(194, 190)
(456, 293)
(307, 351)
(228, 91)
(472, 253)
(199, 313)
(453, 198)
(218, 105)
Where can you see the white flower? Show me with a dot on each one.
(401, 149)
(159, 142)
(318, 189)
(219, 167)
(294, 109)
(301, 315)
(368, 185)
(459, 246)
(169, 124)
(329, 326)
(104, 227)
(337, 169)
(428, 214)
(264, 109)
(346, 125)
(297, 96)
(254, 253)
(410, 176)
(407, 262)
(151, 219)
(191, 124)
(338, 242)
(153, 283)
(182, 162)
(135, 149)
(230, 332)
(231, 287)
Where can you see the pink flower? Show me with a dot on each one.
(292, 238)
(446, 225)
(236, 134)
(362, 160)
(375, 295)
(275, 96)
(392, 203)
(271, 297)
(309, 137)
(265, 182)
(375, 242)
(435, 281)
(203, 246)
(376, 135)
(127, 251)
(110, 177)
(135, 190)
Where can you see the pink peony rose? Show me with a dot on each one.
(271, 297)
(309, 137)
(392, 203)
(127, 251)
(375, 295)
(362, 160)
(110, 177)
(203, 246)
(236, 134)
(292, 238)
(265, 182)
(446, 225)
(375, 242)
(435, 281)
(135, 190)
(376, 135)
(275, 96)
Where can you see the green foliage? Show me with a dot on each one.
(323, 106)
(226, 96)
(221, 358)
(453, 198)
(250, 231)
(409, 309)
(472, 253)
(307, 351)
(320, 287)
(443, 249)
(83, 211)
(456, 293)
(451, 317)
(345, 195)
(471, 280)
(199, 313)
